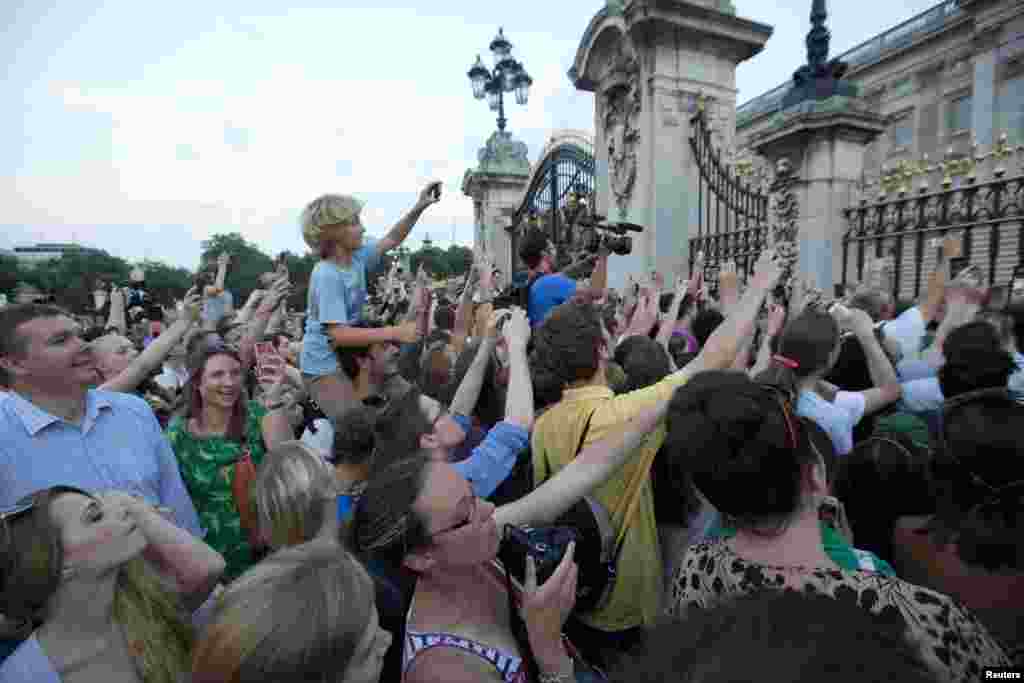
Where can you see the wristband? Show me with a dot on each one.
(566, 675)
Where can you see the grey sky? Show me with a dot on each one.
(143, 128)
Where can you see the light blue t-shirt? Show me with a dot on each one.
(336, 295)
(925, 395)
(547, 292)
(216, 307)
(837, 418)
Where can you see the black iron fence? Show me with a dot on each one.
(733, 210)
(906, 223)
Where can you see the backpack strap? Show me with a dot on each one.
(634, 502)
(579, 447)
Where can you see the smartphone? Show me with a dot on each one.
(1017, 284)
(957, 266)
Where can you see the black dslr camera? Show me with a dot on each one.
(546, 545)
(612, 236)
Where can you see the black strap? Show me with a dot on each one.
(586, 429)
(579, 446)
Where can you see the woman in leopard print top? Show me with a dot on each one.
(762, 467)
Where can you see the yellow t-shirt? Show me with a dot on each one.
(636, 596)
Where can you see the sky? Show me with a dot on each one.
(143, 128)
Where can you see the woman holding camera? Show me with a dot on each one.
(418, 516)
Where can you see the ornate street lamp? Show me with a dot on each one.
(508, 75)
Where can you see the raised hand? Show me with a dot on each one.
(545, 608)
(517, 328)
(658, 281)
(952, 247)
(776, 319)
(223, 259)
(278, 291)
(192, 305)
(494, 323)
(431, 194)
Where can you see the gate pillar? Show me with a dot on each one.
(495, 187)
(647, 63)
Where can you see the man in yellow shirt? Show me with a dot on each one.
(571, 349)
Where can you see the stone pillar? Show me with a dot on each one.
(825, 142)
(646, 61)
(496, 187)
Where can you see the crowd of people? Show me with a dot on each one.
(547, 482)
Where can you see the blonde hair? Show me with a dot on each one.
(329, 209)
(159, 637)
(298, 615)
(290, 493)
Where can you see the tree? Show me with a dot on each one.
(247, 263)
(300, 268)
(166, 284)
(10, 275)
(73, 277)
(460, 259)
(433, 259)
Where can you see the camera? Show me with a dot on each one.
(611, 236)
(546, 545)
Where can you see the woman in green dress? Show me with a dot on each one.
(219, 440)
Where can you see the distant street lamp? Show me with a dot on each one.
(508, 76)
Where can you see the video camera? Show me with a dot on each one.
(611, 236)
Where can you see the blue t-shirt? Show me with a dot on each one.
(837, 418)
(336, 295)
(216, 307)
(547, 292)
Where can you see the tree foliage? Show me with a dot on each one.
(73, 277)
(456, 260)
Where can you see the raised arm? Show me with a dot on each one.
(591, 468)
(190, 564)
(153, 356)
(772, 329)
(720, 351)
(222, 271)
(404, 226)
(519, 400)
(728, 287)
(257, 327)
(275, 425)
(116, 319)
(887, 388)
(668, 324)
(468, 392)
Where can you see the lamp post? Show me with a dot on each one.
(508, 75)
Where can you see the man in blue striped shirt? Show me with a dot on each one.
(55, 430)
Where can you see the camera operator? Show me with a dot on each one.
(546, 288)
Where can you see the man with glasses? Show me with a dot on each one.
(55, 430)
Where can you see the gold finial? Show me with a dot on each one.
(924, 168)
(1001, 151)
(701, 101)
